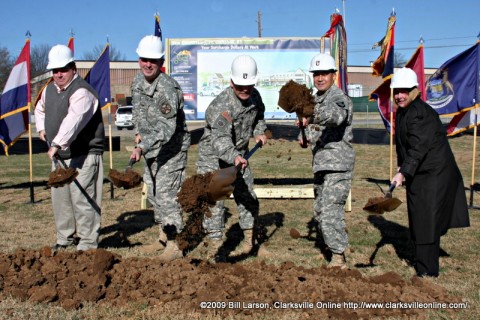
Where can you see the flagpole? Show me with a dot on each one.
(391, 134)
(112, 195)
(30, 155)
(472, 182)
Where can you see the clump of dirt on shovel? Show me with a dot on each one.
(61, 176)
(127, 180)
(372, 205)
(193, 194)
(294, 97)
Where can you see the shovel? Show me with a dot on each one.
(221, 184)
(128, 179)
(379, 205)
(303, 143)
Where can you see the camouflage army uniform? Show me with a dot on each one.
(330, 132)
(230, 123)
(159, 118)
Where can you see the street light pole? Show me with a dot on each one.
(344, 15)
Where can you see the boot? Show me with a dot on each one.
(172, 251)
(157, 245)
(246, 246)
(213, 252)
(338, 260)
(263, 251)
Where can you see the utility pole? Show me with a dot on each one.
(259, 22)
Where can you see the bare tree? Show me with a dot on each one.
(6, 64)
(39, 60)
(115, 55)
(399, 59)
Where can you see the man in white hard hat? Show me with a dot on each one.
(329, 133)
(232, 118)
(69, 116)
(163, 141)
(436, 198)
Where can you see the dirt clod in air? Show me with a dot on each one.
(193, 194)
(294, 97)
(294, 233)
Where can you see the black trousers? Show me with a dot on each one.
(427, 259)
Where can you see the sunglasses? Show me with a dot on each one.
(62, 70)
(145, 60)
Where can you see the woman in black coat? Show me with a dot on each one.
(436, 198)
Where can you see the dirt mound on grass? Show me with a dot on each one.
(70, 279)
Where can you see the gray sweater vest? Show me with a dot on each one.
(90, 139)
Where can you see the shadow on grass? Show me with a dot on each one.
(315, 235)
(378, 182)
(24, 185)
(234, 235)
(392, 233)
(128, 223)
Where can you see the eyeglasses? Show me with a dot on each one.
(153, 61)
(62, 70)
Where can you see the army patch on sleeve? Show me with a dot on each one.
(227, 116)
(341, 104)
(166, 109)
(223, 121)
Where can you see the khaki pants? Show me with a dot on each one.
(72, 211)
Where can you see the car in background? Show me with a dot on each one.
(123, 118)
(209, 91)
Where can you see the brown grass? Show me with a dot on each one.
(383, 239)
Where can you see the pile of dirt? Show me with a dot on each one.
(294, 97)
(70, 279)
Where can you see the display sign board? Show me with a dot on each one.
(202, 68)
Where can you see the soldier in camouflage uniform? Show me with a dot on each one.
(232, 118)
(163, 140)
(329, 132)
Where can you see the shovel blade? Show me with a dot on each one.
(221, 184)
(391, 204)
(381, 205)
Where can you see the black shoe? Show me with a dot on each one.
(57, 247)
(427, 274)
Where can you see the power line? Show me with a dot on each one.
(416, 41)
(413, 48)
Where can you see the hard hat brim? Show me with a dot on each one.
(244, 82)
(149, 55)
(327, 70)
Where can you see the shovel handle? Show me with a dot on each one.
(257, 145)
(392, 187)
(304, 143)
(249, 153)
(131, 163)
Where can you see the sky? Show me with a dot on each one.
(447, 27)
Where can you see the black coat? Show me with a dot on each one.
(436, 198)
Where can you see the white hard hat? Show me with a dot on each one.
(59, 56)
(322, 62)
(404, 78)
(150, 47)
(244, 71)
